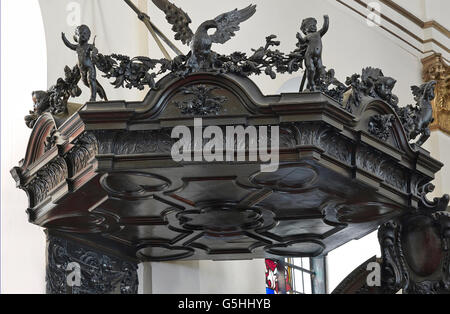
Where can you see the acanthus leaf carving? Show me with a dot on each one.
(46, 180)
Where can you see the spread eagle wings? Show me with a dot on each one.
(178, 19)
(227, 23)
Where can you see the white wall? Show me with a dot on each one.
(24, 69)
(349, 46)
(208, 277)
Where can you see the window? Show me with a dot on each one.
(296, 276)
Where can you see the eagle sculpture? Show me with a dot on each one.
(201, 56)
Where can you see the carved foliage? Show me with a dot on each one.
(55, 99)
(324, 137)
(381, 126)
(100, 273)
(134, 142)
(202, 101)
(86, 147)
(371, 83)
(376, 163)
(46, 180)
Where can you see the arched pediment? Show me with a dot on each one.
(40, 140)
(202, 94)
(382, 122)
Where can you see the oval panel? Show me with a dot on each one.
(159, 253)
(287, 179)
(306, 248)
(422, 245)
(133, 185)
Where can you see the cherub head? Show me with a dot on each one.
(82, 34)
(309, 25)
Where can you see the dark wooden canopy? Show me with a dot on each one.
(105, 176)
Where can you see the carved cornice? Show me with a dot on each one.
(435, 68)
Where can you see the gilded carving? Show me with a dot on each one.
(435, 68)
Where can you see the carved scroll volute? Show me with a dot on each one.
(393, 273)
(436, 69)
(415, 249)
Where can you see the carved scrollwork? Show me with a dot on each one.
(100, 273)
(381, 126)
(376, 163)
(134, 142)
(393, 266)
(202, 102)
(46, 180)
(372, 83)
(438, 203)
(415, 248)
(324, 137)
(86, 147)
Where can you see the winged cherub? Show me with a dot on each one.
(201, 57)
(313, 55)
(85, 52)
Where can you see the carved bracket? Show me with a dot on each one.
(415, 249)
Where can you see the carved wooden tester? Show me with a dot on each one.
(102, 179)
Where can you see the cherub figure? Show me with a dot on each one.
(313, 55)
(86, 52)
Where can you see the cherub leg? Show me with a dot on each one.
(310, 73)
(85, 79)
(320, 71)
(93, 83)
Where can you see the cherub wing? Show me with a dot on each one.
(178, 18)
(228, 23)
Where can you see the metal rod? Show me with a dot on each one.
(154, 31)
(156, 38)
(166, 40)
(300, 268)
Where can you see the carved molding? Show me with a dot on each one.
(86, 147)
(324, 137)
(134, 142)
(435, 68)
(100, 273)
(374, 162)
(46, 180)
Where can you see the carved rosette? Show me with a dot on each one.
(99, 273)
(436, 69)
